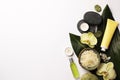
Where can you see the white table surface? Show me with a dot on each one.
(34, 34)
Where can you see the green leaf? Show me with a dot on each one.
(114, 51)
(114, 48)
(76, 44)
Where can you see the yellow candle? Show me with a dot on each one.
(109, 31)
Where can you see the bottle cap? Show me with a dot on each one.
(71, 60)
(103, 49)
(69, 51)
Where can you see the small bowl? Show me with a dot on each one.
(89, 63)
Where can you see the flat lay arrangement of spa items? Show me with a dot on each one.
(97, 47)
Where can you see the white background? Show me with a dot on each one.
(34, 34)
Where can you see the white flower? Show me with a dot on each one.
(107, 71)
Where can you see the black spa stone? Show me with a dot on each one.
(92, 18)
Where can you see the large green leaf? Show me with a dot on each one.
(76, 44)
(114, 49)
